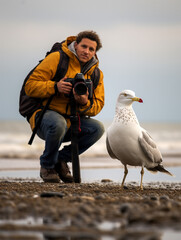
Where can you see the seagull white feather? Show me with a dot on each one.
(128, 142)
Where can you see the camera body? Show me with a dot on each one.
(80, 84)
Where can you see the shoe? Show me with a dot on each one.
(63, 171)
(49, 175)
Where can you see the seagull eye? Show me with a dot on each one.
(125, 94)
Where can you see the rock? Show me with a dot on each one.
(106, 180)
(164, 198)
(101, 196)
(125, 208)
(154, 198)
(51, 194)
(89, 198)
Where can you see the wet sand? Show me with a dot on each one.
(88, 210)
(100, 210)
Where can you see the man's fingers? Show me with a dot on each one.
(67, 89)
(63, 86)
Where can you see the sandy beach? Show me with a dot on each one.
(37, 210)
(32, 209)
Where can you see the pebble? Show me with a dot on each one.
(125, 208)
(154, 198)
(106, 180)
(101, 196)
(164, 198)
(89, 198)
(51, 194)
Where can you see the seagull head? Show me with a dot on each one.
(127, 97)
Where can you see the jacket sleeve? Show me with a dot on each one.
(98, 99)
(40, 82)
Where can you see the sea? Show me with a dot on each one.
(17, 155)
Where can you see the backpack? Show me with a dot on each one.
(28, 105)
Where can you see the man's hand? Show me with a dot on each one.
(81, 99)
(64, 87)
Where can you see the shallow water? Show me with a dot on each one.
(114, 174)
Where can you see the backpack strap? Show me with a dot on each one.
(62, 66)
(55, 48)
(95, 77)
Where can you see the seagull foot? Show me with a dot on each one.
(124, 187)
(141, 188)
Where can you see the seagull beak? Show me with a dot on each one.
(137, 99)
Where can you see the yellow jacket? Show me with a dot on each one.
(40, 84)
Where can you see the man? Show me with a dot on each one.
(55, 125)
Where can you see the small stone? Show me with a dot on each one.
(51, 194)
(164, 198)
(106, 180)
(100, 196)
(125, 207)
(153, 197)
(89, 198)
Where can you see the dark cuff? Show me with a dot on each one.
(56, 88)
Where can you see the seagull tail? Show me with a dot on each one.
(159, 168)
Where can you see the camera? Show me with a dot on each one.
(80, 84)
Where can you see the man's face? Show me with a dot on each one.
(85, 49)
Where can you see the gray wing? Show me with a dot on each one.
(149, 148)
(112, 155)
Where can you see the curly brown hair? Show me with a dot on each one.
(90, 35)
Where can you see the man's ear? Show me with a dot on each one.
(75, 45)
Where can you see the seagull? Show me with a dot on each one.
(128, 142)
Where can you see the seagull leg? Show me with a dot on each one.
(142, 173)
(125, 174)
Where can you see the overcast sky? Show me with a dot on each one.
(141, 49)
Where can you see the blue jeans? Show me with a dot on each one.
(53, 129)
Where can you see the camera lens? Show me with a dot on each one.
(80, 88)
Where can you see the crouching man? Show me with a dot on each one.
(55, 127)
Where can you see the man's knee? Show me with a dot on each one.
(59, 127)
(94, 127)
(53, 124)
(100, 128)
